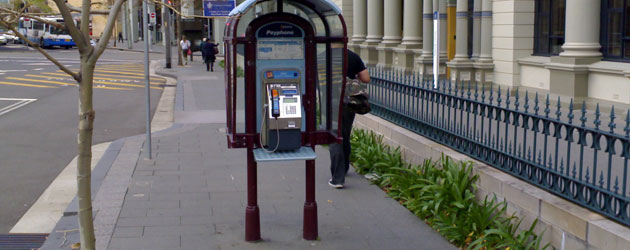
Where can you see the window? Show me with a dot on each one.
(549, 27)
(615, 30)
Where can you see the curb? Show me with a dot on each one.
(66, 228)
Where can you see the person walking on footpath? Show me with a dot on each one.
(120, 37)
(209, 50)
(340, 153)
(185, 45)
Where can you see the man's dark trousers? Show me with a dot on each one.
(340, 153)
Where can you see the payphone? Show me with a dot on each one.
(282, 116)
(282, 97)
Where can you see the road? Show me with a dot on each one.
(38, 117)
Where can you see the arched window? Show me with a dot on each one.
(615, 30)
(549, 27)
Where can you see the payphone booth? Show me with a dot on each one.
(285, 67)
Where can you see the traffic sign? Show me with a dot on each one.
(218, 8)
(152, 18)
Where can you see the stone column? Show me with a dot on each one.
(412, 34)
(393, 32)
(424, 62)
(569, 71)
(133, 21)
(443, 31)
(476, 30)
(461, 66)
(359, 19)
(484, 66)
(581, 37)
(374, 31)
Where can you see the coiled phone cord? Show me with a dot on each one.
(262, 122)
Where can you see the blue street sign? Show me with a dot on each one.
(218, 7)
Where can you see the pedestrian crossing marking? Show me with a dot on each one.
(26, 85)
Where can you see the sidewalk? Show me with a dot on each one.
(192, 195)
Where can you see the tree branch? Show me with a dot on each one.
(107, 31)
(81, 43)
(48, 56)
(19, 14)
(95, 12)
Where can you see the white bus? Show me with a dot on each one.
(44, 34)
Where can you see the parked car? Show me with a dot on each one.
(3, 39)
(11, 38)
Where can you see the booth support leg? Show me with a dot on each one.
(252, 214)
(310, 206)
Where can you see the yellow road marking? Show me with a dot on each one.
(26, 85)
(41, 81)
(140, 70)
(99, 74)
(101, 78)
(110, 88)
(116, 72)
(97, 82)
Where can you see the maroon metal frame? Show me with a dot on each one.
(249, 139)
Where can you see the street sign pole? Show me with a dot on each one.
(145, 29)
(166, 30)
(436, 48)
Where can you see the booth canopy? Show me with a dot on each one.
(326, 7)
(324, 15)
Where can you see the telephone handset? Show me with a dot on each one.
(275, 103)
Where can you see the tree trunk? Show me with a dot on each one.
(179, 38)
(84, 164)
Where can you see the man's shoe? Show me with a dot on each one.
(337, 186)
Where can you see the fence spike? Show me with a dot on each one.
(627, 128)
(570, 115)
(550, 161)
(588, 175)
(601, 178)
(561, 165)
(526, 106)
(574, 172)
(491, 95)
(529, 154)
(583, 118)
(539, 157)
(509, 148)
(597, 121)
(516, 102)
(558, 112)
(499, 96)
(449, 87)
(547, 110)
(476, 92)
(507, 99)
(520, 150)
(469, 93)
(612, 124)
(492, 141)
(536, 107)
(483, 93)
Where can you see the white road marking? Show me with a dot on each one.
(18, 104)
(39, 69)
(12, 70)
(37, 64)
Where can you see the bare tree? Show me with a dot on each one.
(89, 56)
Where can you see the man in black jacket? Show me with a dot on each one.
(209, 50)
(340, 153)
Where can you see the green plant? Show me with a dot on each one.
(443, 194)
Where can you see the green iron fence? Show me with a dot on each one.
(530, 137)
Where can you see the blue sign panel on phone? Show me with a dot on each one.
(283, 74)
